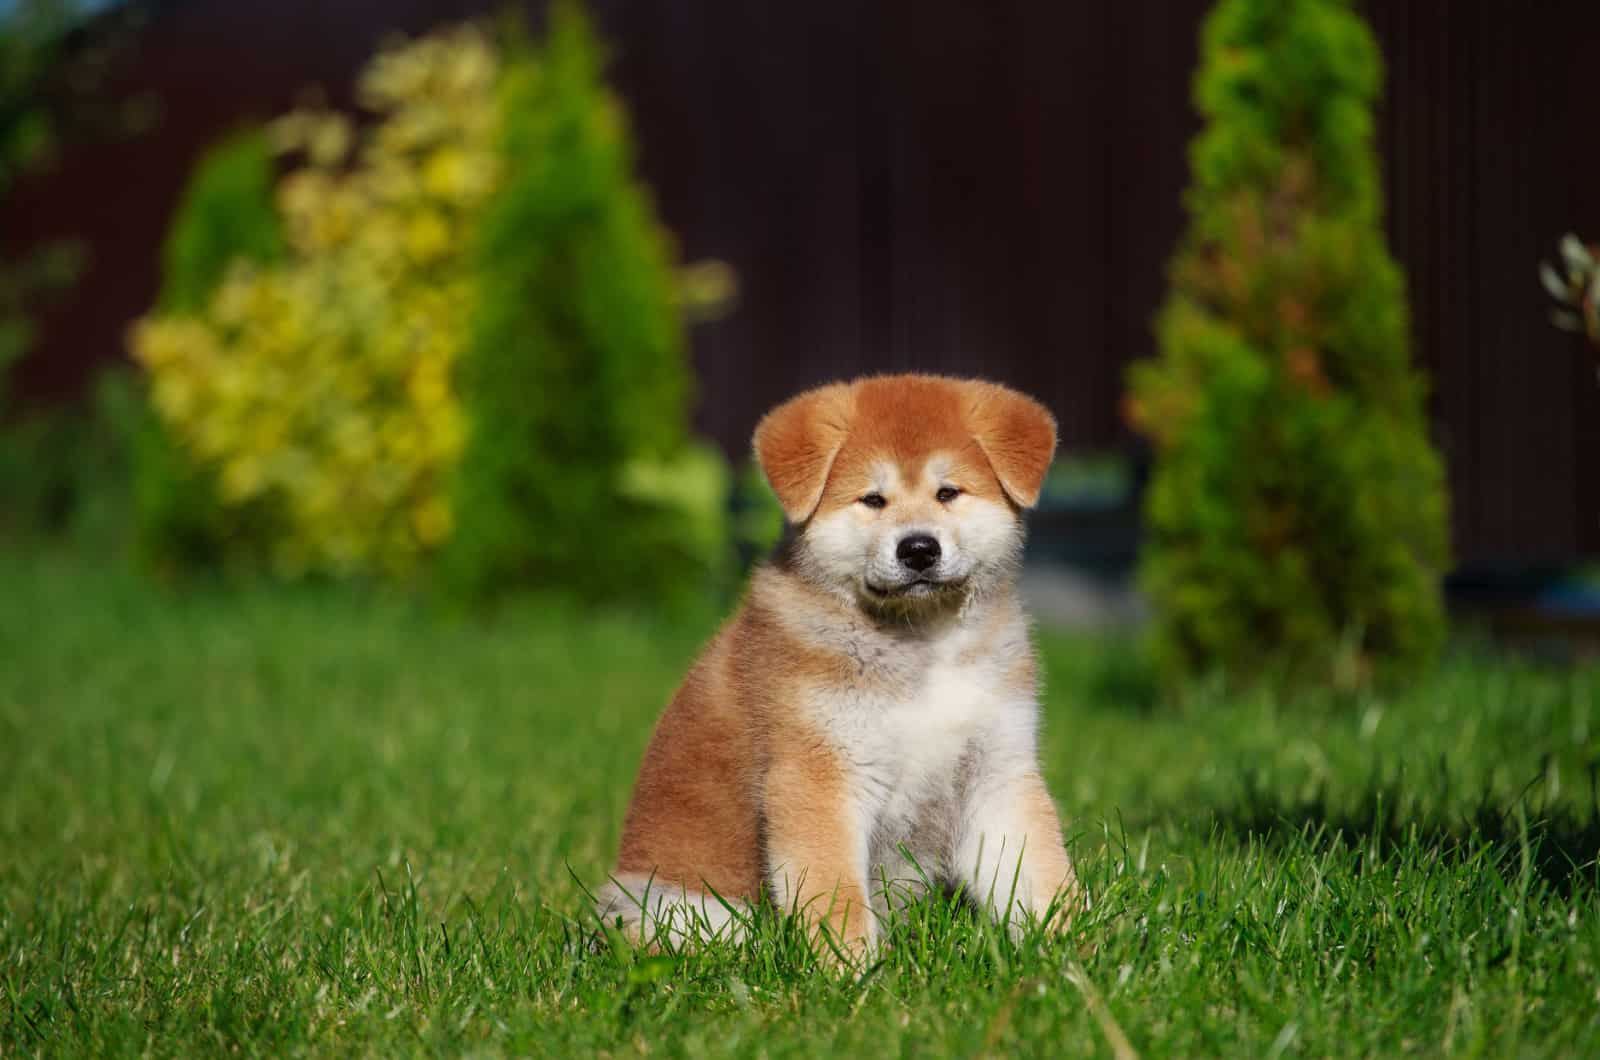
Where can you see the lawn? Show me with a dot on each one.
(328, 821)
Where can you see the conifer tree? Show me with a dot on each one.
(1297, 513)
(575, 380)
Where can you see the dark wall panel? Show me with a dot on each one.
(1488, 163)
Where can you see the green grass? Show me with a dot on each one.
(316, 821)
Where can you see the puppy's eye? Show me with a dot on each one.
(875, 500)
(946, 494)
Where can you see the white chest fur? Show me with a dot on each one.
(924, 724)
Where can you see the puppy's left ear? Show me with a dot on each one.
(1017, 434)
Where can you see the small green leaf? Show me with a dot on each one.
(1575, 254)
(1554, 283)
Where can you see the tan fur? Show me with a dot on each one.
(698, 771)
(796, 444)
(753, 779)
(812, 840)
(1045, 847)
(1017, 435)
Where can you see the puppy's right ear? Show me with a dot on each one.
(796, 442)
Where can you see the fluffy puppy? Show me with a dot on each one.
(865, 725)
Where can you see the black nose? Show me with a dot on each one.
(919, 552)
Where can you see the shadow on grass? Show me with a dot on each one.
(1561, 841)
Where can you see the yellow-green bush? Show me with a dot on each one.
(318, 390)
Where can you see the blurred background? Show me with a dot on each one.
(283, 294)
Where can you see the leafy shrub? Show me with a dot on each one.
(61, 466)
(63, 470)
(34, 52)
(757, 516)
(317, 391)
(574, 378)
(1297, 515)
(25, 284)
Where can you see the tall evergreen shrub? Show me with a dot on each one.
(574, 381)
(225, 214)
(1297, 512)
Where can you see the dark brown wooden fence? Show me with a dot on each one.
(1492, 144)
(980, 188)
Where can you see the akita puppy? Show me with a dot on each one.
(865, 725)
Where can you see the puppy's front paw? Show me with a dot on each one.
(851, 955)
(1070, 902)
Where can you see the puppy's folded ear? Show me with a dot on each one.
(796, 442)
(1017, 434)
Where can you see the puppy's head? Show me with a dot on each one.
(907, 492)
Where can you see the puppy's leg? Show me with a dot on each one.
(817, 847)
(1009, 852)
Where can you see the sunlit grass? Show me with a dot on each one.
(322, 821)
